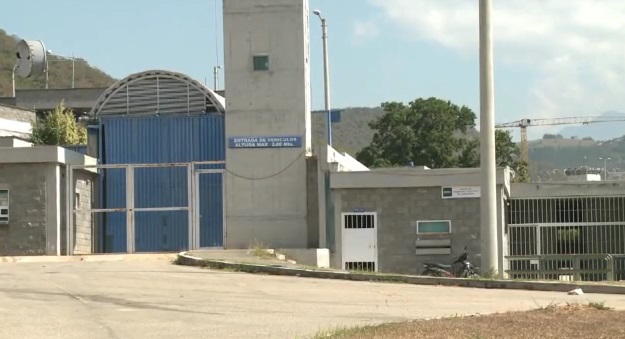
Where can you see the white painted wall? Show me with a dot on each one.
(266, 188)
(14, 128)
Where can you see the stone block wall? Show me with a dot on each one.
(31, 229)
(26, 232)
(398, 209)
(82, 198)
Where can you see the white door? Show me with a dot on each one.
(359, 241)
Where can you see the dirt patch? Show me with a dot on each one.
(554, 321)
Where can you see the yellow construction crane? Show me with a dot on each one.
(523, 124)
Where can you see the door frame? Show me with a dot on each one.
(195, 225)
(375, 236)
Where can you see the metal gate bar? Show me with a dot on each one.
(130, 209)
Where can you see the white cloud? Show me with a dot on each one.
(577, 46)
(364, 30)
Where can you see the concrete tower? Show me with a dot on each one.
(267, 82)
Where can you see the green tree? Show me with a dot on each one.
(434, 132)
(426, 132)
(58, 127)
(509, 154)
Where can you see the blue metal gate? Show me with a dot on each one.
(161, 140)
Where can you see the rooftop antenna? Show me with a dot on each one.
(31, 59)
(217, 66)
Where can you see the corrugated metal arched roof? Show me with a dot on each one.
(158, 92)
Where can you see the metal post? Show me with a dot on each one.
(326, 77)
(488, 196)
(216, 77)
(69, 222)
(192, 234)
(46, 71)
(130, 209)
(13, 79)
(73, 69)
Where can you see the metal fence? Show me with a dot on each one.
(567, 238)
(569, 267)
(136, 205)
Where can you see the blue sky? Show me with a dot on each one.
(558, 60)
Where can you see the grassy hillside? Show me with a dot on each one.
(60, 71)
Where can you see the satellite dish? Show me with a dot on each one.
(31, 58)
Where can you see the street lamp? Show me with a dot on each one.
(216, 76)
(326, 73)
(605, 167)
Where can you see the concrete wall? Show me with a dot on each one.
(35, 178)
(26, 232)
(402, 196)
(83, 235)
(266, 188)
(15, 121)
(79, 99)
(313, 201)
(12, 141)
(16, 114)
(567, 189)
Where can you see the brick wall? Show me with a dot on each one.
(398, 210)
(26, 232)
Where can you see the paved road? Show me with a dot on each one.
(153, 299)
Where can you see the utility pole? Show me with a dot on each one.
(605, 167)
(13, 79)
(47, 68)
(326, 73)
(216, 77)
(488, 196)
(73, 69)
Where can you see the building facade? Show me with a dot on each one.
(33, 195)
(395, 220)
(267, 77)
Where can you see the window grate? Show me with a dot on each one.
(367, 266)
(356, 221)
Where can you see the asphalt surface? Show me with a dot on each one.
(154, 299)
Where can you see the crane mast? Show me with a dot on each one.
(523, 124)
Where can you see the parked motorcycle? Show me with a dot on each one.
(464, 268)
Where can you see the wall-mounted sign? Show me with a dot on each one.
(458, 192)
(265, 142)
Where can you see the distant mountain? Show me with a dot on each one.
(60, 76)
(352, 133)
(597, 131)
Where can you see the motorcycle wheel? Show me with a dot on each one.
(467, 274)
(431, 273)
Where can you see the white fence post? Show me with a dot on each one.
(130, 209)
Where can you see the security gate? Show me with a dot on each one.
(568, 238)
(359, 241)
(209, 209)
(142, 220)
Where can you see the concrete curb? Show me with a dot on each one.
(187, 260)
(88, 258)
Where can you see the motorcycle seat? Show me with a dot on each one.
(433, 264)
